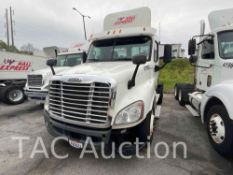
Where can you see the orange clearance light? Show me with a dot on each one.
(114, 32)
(120, 31)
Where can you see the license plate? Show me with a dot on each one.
(76, 144)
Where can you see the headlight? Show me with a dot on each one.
(130, 114)
(46, 104)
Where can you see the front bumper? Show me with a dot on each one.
(37, 96)
(106, 135)
(57, 128)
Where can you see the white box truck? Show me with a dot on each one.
(14, 68)
(211, 95)
(114, 96)
(36, 88)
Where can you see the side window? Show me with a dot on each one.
(207, 49)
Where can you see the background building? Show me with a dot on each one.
(177, 51)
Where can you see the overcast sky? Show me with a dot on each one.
(53, 22)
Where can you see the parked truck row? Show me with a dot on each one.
(109, 90)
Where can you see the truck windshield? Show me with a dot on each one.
(225, 40)
(69, 60)
(119, 49)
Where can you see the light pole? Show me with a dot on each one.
(83, 16)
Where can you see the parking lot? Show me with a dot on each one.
(176, 124)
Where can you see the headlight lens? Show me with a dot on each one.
(46, 104)
(130, 114)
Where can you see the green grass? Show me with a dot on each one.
(179, 70)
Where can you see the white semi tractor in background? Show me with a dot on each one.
(211, 95)
(115, 95)
(37, 85)
(14, 68)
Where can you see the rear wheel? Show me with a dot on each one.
(183, 93)
(14, 95)
(176, 90)
(220, 130)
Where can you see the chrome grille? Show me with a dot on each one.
(81, 102)
(35, 80)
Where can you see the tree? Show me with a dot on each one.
(29, 48)
(4, 46)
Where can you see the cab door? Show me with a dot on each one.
(205, 64)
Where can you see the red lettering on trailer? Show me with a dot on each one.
(12, 65)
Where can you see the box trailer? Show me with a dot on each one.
(14, 68)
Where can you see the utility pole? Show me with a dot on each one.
(12, 28)
(7, 28)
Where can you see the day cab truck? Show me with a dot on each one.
(37, 85)
(114, 96)
(211, 95)
(14, 68)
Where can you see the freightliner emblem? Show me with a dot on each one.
(78, 80)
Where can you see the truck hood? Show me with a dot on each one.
(47, 71)
(116, 70)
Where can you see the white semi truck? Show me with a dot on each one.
(37, 85)
(14, 68)
(115, 95)
(211, 95)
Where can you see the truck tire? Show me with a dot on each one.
(13, 95)
(184, 90)
(220, 130)
(159, 91)
(176, 90)
(144, 130)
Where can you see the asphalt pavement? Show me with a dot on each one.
(175, 125)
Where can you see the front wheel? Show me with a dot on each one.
(220, 130)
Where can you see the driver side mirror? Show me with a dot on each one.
(84, 57)
(51, 62)
(139, 59)
(192, 47)
(167, 53)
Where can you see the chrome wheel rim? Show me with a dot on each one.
(15, 95)
(217, 128)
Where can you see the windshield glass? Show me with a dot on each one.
(69, 60)
(225, 40)
(119, 49)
